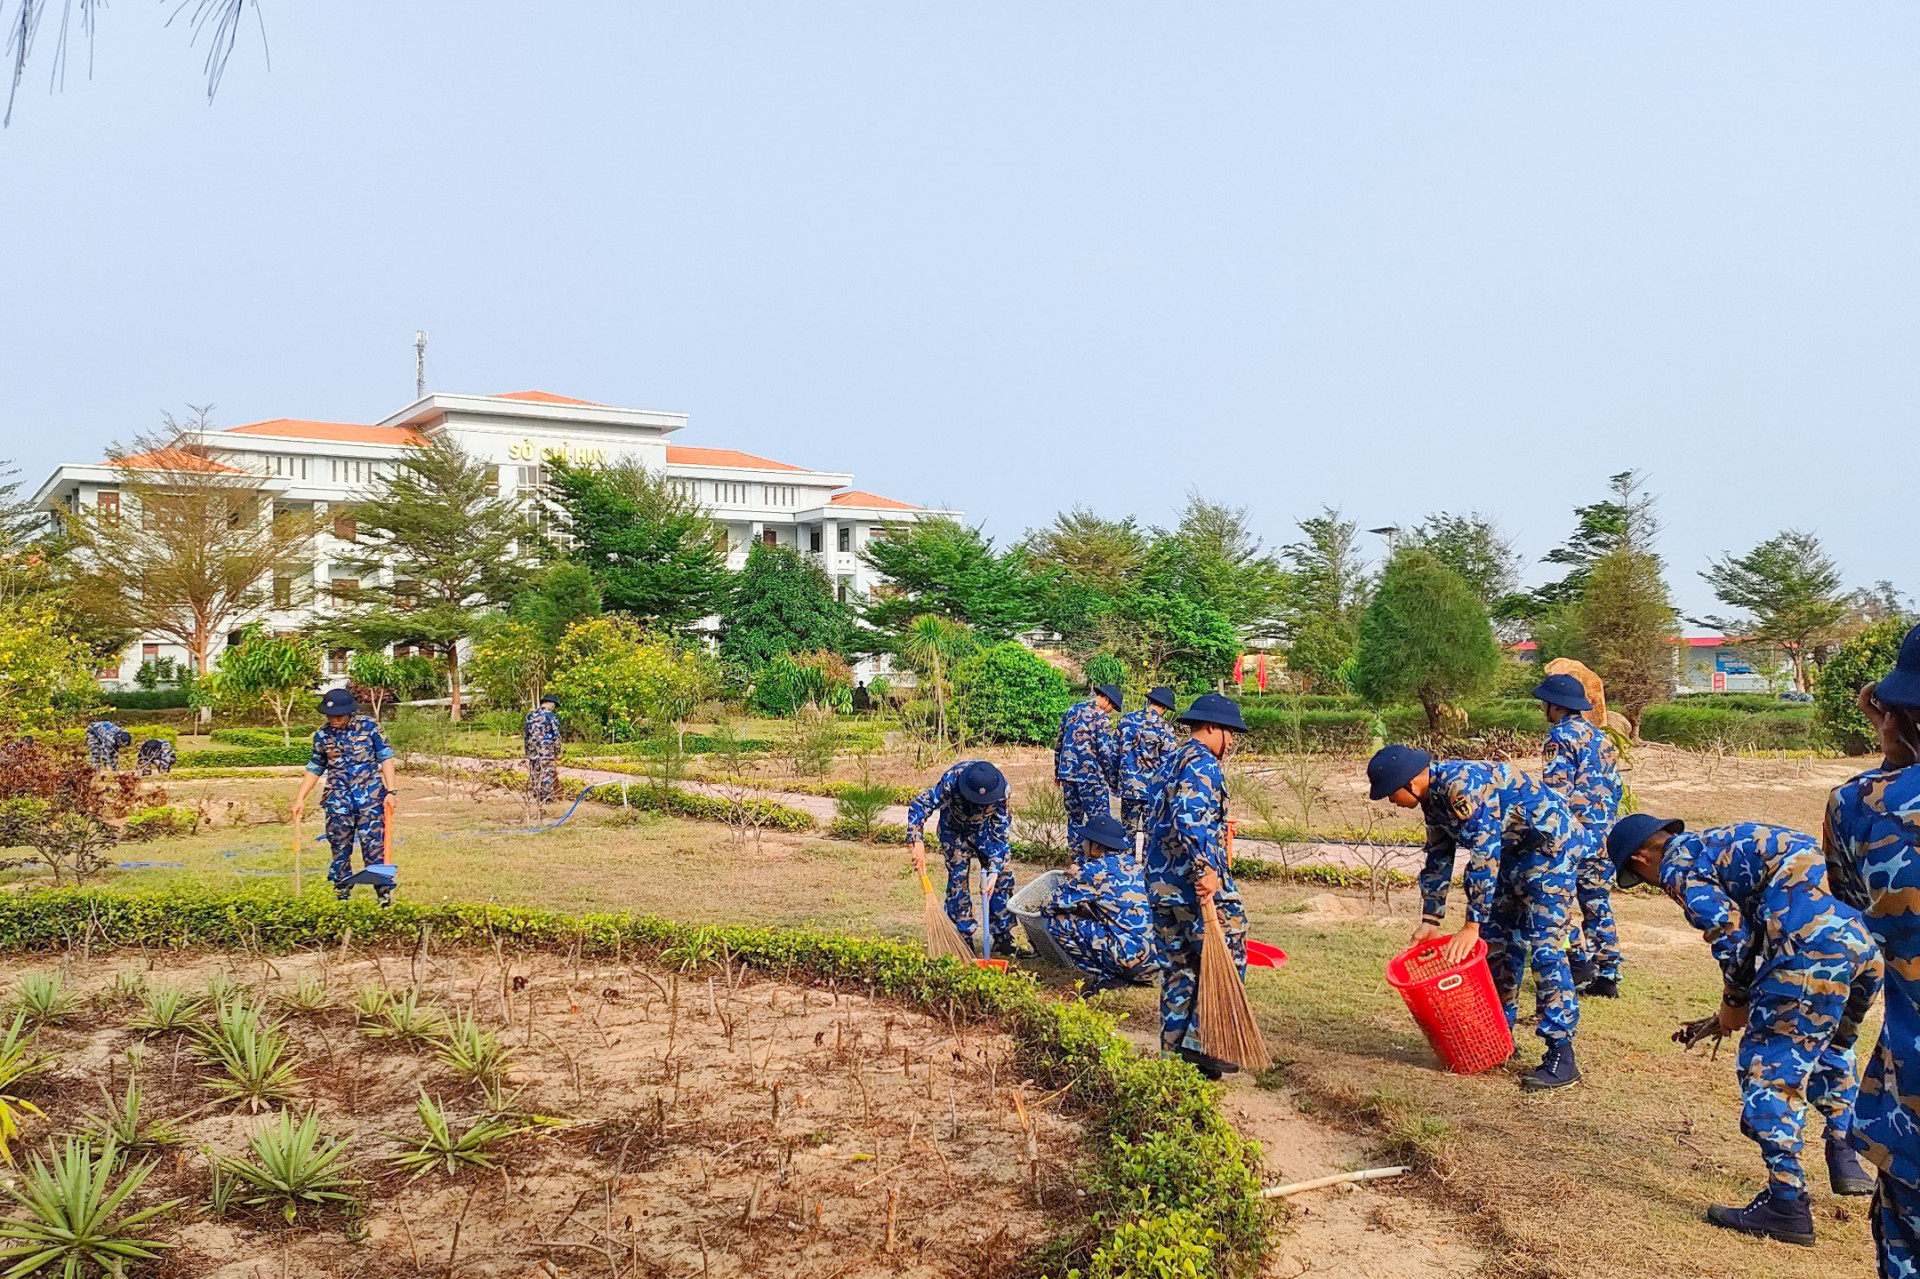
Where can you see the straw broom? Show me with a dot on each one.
(1228, 1031)
(943, 939)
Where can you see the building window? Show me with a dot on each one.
(846, 538)
(110, 670)
(108, 504)
(293, 468)
(282, 591)
(729, 493)
(346, 590)
(350, 471)
(149, 653)
(813, 538)
(406, 593)
(846, 589)
(346, 527)
(336, 661)
(768, 536)
(777, 494)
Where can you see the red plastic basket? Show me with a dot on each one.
(1456, 1006)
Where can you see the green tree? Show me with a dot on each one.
(1166, 637)
(780, 602)
(510, 661)
(1213, 558)
(1089, 552)
(1865, 659)
(932, 645)
(612, 677)
(370, 671)
(46, 675)
(1598, 529)
(1474, 547)
(1791, 590)
(1425, 638)
(1328, 593)
(452, 549)
(1006, 693)
(1627, 628)
(655, 552)
(263, 669)
(943, 568)
(563, 594)
(792, 680)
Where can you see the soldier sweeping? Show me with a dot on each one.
(1187, 858)
(1098, 914)
(1083, 761)
(1522, 843)
(105, 741)
(1143, 742)
(971, 799)
(353, 756)
(1872, 846)
(1799, 974)
(1582, 765)
(541, 733)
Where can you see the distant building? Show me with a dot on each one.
(321, 466)
(1717, 664)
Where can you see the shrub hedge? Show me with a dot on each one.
(268, 737)
(141, 699)
(158, 821)
(77, 737)
(765, 813)
(1784, 727)
(1173, 1191)
(248, 756)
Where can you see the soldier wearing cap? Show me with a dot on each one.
(1522, 843)
(971, 799)
(1582, 765)
(105, 741)
(1098, 914)
(352, 754)
(541, 733)
(1186, 858)
(1143, 742)
(1084, 763)
(1800, 973)
(1872, 846)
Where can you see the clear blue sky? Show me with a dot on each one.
(1014, 256)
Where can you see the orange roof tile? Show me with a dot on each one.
(546, 397)
(687, 456)
(173, 460)
(860, 497)
(341, 432)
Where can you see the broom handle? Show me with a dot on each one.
(296, 856)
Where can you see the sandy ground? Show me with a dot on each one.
(733, 1126)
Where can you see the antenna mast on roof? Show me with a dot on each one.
(419, 364)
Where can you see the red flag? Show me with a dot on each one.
(1263, 672)
(1239, 666)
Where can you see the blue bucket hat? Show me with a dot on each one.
(1392, 767)
(338, 701)
(1901, 687)
(983, 784)
(1562, 690)
(1105, 830)
(548, 699)
(1161, 695)
(1111, 692)
(1212, 708)
(1624, 840)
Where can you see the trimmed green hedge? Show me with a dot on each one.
(141, 699)
(764, 813)
(1738, 701)
(1278, 727)
(77, 737)
(248, 756)
(265, 737)
(159, 821)
(1172, 1182)
(1788, 727)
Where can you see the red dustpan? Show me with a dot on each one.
(1261, 955)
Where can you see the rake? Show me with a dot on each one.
(1228, 1031)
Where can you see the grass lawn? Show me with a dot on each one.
(1609, 1178)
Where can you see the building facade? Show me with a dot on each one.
(322, 466)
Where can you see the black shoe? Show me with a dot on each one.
(1584, 972)
(1206, 1065)
(1788, 1218)
(1557, 1071)
(1845, 1173)
(1006, 948)
(1602, 988)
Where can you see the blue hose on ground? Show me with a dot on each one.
(535, 830)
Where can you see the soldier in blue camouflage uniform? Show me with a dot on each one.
(1085, 766)
(971, 799)
(1799, 974)
(1872, 844)
(1098, 914)
(1144, 740)
(156, 755)
(1187, 857)
(353, 756)
(105, 741)
(1522, 844)
(541, 732)
(1582, 765)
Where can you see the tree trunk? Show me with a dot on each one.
(453, 681)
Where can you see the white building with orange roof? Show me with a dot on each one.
(322, 466)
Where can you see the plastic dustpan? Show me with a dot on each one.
(380, 876)
(1261, 955)
(998, 965)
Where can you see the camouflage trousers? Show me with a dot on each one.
(1804, 1017)
(107, 757)
(1084, 800)
(1528, 931)
(961, 852)
(543, 779)
(1597, 940)
(1896, 1228)
(1101, 950)
(363, 821)
(1179, 931)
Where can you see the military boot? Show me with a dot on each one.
(1786, 1217)
(1557, 1071)
(1584, 971)
(1602, 988)
(1845, 1173)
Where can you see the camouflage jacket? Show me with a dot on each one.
(987, 827)
(350, 758)
(1108, 890)
(1143, 742)
(1583, 766)
(1187, 819)
(541, 732)
(1083, 749)
(1489, 810)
